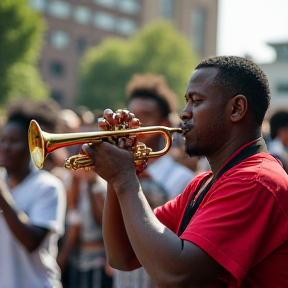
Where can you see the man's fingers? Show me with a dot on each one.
(92, 142)
(89, 148)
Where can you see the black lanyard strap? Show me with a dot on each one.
(258, 146)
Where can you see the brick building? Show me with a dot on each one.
(75, 25)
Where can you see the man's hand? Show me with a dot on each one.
(121, 120)
(110, 162)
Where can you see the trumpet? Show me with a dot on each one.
(42, 143)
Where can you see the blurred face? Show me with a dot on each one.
(147, 111)
(14, 150)
(283, 135)
(205, 127)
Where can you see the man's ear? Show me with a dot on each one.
(239, 106)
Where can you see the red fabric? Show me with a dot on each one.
(242, 222)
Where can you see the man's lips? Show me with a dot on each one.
(185, 128)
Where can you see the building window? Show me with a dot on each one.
(57, 68)
(81, 45)
(82, 15)
(282, 88)
(39, 5)
(106, 3)
(167, 8)
(126, 27)
(198, 29)
(59, 39)
(128, 6)
(59, 9)
(104, 20)
(58, 96)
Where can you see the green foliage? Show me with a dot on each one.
(102, 75)
(24, 81)
(106, 69)
(21, 31)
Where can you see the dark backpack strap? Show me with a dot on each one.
(257, 147)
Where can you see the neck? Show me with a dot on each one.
(16, 177)
(218, 158)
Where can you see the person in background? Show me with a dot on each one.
(154, 103)
(69, 122)
(266, 129)
(278, 144)
(33, 206)
(47, 112)
(229, 228)
(82, 255)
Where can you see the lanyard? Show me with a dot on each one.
(256, 147)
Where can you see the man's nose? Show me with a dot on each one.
(186, 114)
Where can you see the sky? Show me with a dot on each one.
(245, 26)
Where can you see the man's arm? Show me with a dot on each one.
(28, 234)
(157, 248)
(170, 262)
(119, 250)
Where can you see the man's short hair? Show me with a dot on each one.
(152, 86)
(278, 120)
(238, 75)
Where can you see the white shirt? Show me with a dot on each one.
(42, 197)
(171, 175)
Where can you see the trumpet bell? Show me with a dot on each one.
(36, 144)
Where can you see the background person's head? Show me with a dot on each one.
(14, 148)
(152, 101)
(279, 126)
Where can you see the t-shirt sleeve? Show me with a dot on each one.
(171, 213)
(49, 207)
(231, 221)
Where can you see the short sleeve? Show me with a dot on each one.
(171, 213)
(231, 221)
(48, 209)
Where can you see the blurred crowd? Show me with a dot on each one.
(79, 252)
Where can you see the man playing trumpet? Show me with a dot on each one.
(238, 236)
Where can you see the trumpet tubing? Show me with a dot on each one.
(42, 143)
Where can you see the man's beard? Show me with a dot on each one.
(202, 146)
(192, 152)
(195, 148)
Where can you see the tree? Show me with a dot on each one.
(21, 31)
(158, 48)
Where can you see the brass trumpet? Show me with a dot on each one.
(42, 143)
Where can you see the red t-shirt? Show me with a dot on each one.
(242, 222)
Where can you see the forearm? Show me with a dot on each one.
(119, 250)
(161, 252)
(68, 244)
(30, 236)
